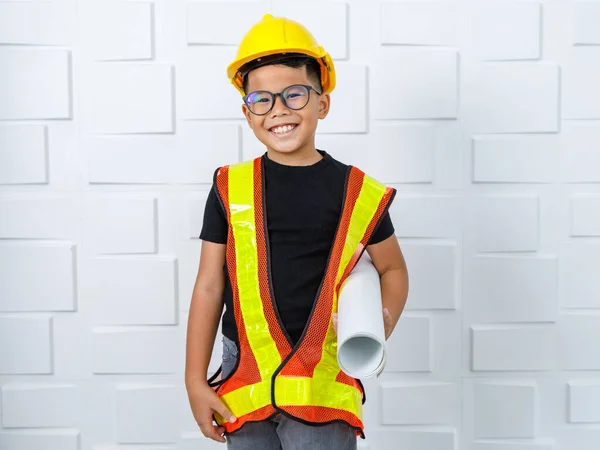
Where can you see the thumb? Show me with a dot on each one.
(224, 411)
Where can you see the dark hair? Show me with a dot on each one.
(296, 61)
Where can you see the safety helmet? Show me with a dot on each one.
(274, 36)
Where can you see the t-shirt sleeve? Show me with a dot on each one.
(214, 228)
(384, 230)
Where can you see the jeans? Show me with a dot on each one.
(281, 432)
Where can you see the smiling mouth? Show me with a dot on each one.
(283, 129)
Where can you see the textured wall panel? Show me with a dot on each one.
(586, 17)
(502, 109)
(424, 80)
(23, 151)
(202, 28)
(194, 100)
(129, 98)
(504, 348)
(38, 218)
(505, 223)
(121, 295)
(411, 346)
(585, 215)
(511, 159)
(348, 113)
(505, 411)
(191, 156)
(511, 446)
(581, 92)
(410, 151)
(577, 331)
(121, 225)
(431, 23)
(47, 440)
(432, 275)
(140, 350)
(131, 29)
(579, 438)
(506, 31)
(421, 216)
(584, 402)
(146, 414)
(37, 405)
(413, 440)
(37, 277)
(27, 345)
(581, 156)
(580, 288)
(34, 84)
(196, 204)
(419, 404)
(514, 289)
(34, 23)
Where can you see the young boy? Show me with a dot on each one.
(280, 235)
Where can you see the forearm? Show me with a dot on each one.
(394, 292)
(203, 321)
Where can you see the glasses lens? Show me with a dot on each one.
(296, 97)
(259, 102)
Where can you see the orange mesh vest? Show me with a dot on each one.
(301, 381)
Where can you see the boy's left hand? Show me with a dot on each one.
(387, 322)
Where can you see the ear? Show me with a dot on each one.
(324, 104)
(247, 114)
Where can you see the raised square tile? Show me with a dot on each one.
(130, 98)
(511, 289)
(121, 225)
(24, 154)
(421, 84)
(35, 84)
(30, 342)
(37, 277)
(506, 31)
(505, 410)
(525, 98)
(120, 294)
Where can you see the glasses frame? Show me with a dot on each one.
(279, 94)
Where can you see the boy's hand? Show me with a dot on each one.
(387, 322)
(204, 403)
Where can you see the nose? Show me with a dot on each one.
(279, 107)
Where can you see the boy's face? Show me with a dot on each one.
(303, 122)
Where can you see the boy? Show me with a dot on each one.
(280, 235)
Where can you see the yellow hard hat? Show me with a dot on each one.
(278, 35)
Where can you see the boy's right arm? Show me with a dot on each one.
(203, 321)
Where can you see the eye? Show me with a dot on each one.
(295, 92)
(258, 97)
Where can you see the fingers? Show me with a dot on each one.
(334, 319)
(220, 408)
(213, 432)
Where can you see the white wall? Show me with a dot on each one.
(484, 115)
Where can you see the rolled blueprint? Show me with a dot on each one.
(360, 328)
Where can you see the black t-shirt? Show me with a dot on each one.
(303, 207)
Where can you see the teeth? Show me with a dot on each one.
(283, 129)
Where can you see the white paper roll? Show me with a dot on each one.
(360, 328)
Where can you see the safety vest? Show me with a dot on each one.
(302, 381)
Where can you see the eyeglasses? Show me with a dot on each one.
(294, 97)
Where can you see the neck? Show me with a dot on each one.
(301, 157)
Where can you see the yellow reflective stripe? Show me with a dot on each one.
(294, 391)
(364, 210)
(241, 206)
(248, 398)
(297, 391)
